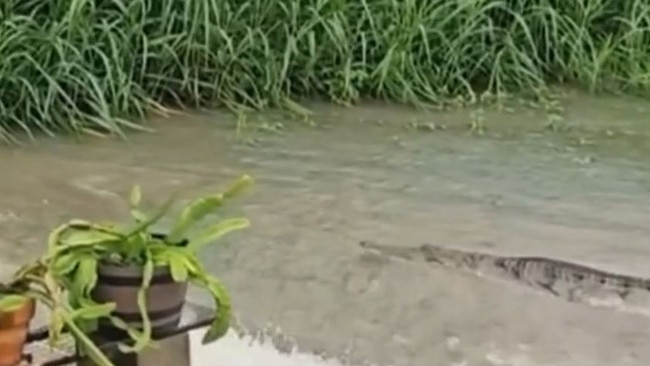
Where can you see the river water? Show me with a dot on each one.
(578, 192)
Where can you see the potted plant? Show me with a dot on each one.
(35, 284)
(16, 313)
(145, 273)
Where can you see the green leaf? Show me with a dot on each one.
(178, 267)
(55, 236)
(221, 323)
(12, 302)
(55, 326)
(202, 207)
(160, 213)
(238, 186)
(86, 238)
(85, 278)
(138, 216)
(183, 256)
(89, 348)
(86, 302)
(133, 247)
(65, 263)
(194, 212)
(136, 196)
(94, 311)
(147, 274)
(133, 333)
(214, 232)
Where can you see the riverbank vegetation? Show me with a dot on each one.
(95, 65)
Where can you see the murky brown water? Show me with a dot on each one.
(580, 195)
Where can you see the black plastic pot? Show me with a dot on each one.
(120, 284)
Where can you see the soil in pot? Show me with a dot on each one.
(120, 284)
(14, 326)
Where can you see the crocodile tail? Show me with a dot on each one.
(642, 283)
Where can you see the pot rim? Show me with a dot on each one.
(158, 268)
(131, 267)
(30, 301)
(29, 307)
(161, 236)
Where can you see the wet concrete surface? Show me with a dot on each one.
(360, 175)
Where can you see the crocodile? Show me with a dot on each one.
(567, 280)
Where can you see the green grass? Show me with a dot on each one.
(82, 66)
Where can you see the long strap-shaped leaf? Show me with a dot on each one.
(144, 338)
(221, 323)
(93, 352)
(162, 211)
(200, 208)
(214, 232)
